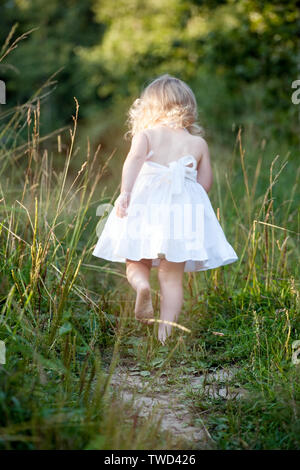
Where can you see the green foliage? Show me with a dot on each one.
(51, 48)
(238, 56)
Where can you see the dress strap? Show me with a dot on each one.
(149, 154)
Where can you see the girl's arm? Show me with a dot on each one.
(134, 161)
(130, 171)
(205, 175)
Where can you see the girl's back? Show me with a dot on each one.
(163, 216)
(169, 144)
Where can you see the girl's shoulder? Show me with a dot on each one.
(200, 141)
(139, 143)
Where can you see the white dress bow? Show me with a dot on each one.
(175, 172)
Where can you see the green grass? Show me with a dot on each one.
(60, 329)
(67, 319)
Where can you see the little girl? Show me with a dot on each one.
(163, 216)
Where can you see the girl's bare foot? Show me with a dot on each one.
(162, 337)
(143, 304)
(164, 331)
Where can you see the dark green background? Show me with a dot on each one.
(240, 58)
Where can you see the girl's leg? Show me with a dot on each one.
(170, 276)
(138, 274)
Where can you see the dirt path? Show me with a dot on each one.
(170, 402)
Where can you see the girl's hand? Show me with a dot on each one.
(122, 203)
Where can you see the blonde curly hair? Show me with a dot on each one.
(167, 100)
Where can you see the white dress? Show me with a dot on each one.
(169, 216)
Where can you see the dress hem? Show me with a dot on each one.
(156, 262)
